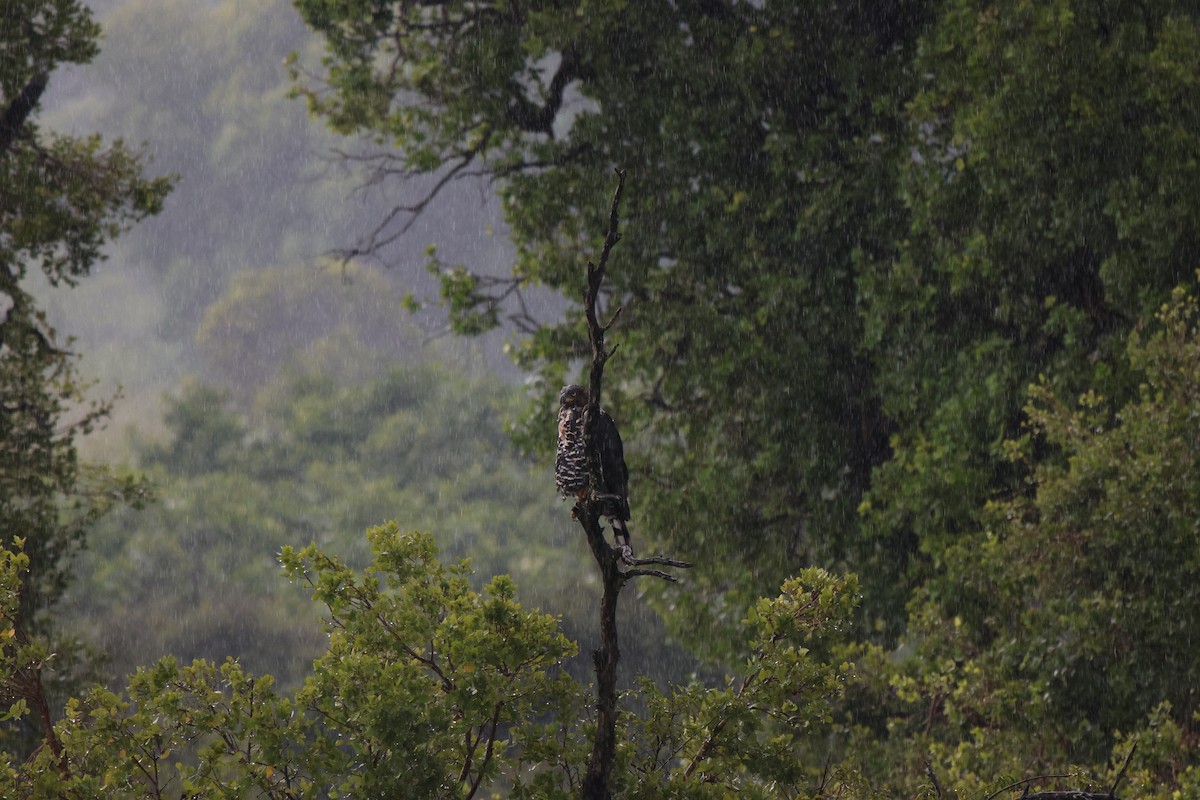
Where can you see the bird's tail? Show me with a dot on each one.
(621, 533)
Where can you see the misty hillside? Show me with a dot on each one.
(235, 285)
(203, 91)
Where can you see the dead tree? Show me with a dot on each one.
(596, 784)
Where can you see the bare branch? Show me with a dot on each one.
(937, 788)
(670, 562)
(616, 315)
(606, 657)
(1024, 782)
(595, 276)
(652, 573)
(381, 236)
(489, 751)
(1112, 790)
(533, 118)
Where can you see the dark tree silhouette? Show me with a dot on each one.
(609, 559)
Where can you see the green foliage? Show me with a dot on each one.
(429, 680)
(758, 735)
(1071, 616)
(855, 234)
(206, 436)
(428, 688)
(268, 316)
(41, 34)
(18, 656)
(1047, 169)
(758, 139)
(61, 200)
(199, 731)
(338, 438)
(854, 237)
(320, 459)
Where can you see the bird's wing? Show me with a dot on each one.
(612, 460)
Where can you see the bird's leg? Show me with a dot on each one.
(621, 537)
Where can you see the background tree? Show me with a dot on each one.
(427, 686)
(258, 191)
(339, 435)
(61, 200)
(856, 235)
(1070, 636)
(760, 142)
(860, 235)
(1054, 153)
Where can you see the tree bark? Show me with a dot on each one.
(605, 659)
(18, 111)
(597, 781)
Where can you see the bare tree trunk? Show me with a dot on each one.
(605, 658)
(597, 781)
(12, 120)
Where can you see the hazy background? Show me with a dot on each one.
(203, 85)
(271, 394)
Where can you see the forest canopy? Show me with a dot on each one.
(908, 366)
(857, 235)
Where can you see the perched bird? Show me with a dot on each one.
(571, 461)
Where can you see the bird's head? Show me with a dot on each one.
(573, 396)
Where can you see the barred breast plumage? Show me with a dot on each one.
(571, 469)
(570, 462)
